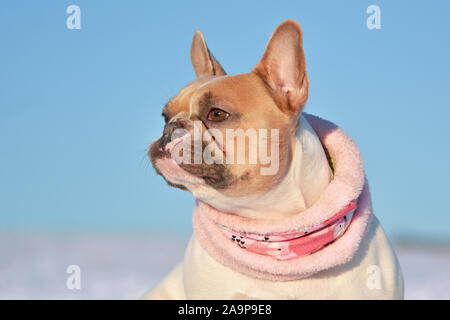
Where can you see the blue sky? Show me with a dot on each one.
(78, 108)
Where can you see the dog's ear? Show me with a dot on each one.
(202, 59)
(283, 67)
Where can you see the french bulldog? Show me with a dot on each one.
(293, 181)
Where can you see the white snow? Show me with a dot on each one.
(33, 266)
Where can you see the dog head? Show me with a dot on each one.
(232, 135)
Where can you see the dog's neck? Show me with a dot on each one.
(308, 175)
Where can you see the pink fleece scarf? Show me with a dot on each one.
(323, 236)
(293, 244)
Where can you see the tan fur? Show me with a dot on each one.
(261, 99)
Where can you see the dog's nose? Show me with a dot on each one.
(175, 124)
(170, 128)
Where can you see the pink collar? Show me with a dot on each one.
(336, 223)
(296, 243)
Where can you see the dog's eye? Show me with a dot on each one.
(217, 115)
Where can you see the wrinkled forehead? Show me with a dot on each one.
(194, 95)
(244, 92)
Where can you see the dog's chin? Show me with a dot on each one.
(190, 177)
(174, 175)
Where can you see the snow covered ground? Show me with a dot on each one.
(33, 266)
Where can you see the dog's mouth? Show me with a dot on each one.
(156, 153)
(214, 175)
